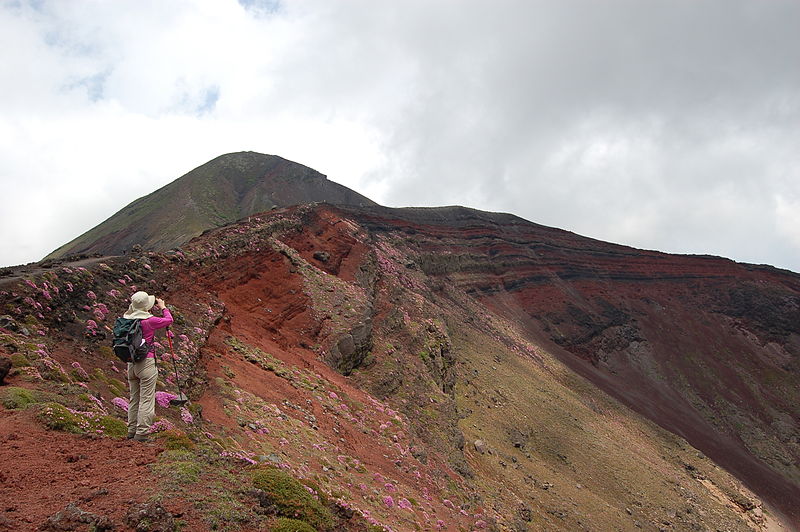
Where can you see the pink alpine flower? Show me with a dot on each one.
(388, 501)
(160, 425)
(80, 371)
(163, 399)
(186, 416)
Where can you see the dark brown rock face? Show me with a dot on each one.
(5, 367)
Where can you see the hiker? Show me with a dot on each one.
(142, 375)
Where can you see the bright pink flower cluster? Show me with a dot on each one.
(163, 399)
(80, 371)
(404, 504)
(161, 425)
(186, 416)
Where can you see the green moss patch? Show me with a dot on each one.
(16, 398)
(177, 440)
(58, 417)
(223, 510)
(290, 498)
(179, 466)
(285, 524)
(18, 360)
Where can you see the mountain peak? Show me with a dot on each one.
(219, 192)
(251, 162)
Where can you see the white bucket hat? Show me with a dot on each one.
(141, 303)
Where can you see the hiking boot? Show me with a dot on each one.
(144, 438)
(130, 435)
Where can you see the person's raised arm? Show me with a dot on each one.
(166, 316)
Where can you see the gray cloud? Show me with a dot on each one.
(667, 125)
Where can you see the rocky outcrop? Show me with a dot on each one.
(150, 517)
(73, 518)
(352, 349)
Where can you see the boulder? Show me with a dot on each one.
(150, 517)
(346, 346)
(73, 518)
(10, 324)
(480, 446)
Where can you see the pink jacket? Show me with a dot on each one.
(152, 324)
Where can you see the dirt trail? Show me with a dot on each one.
(42, 471)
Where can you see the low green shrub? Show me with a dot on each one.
(177, 439)
(15, 398)
(58, 417)
(117, 390)
(286, 524)
(18, 360)
(107, 352)
(100, 375)
(291, 499)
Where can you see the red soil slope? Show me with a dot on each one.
(413, 307)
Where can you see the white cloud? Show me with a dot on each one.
(665, 125)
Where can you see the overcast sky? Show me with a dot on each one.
(671, 125)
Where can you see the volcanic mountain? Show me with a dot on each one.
(365, 368)
(217, 193)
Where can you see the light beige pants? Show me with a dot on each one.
(142, 377)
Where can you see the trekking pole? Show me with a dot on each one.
(181, 399)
